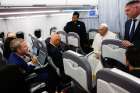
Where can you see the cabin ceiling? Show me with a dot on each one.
(10, 11)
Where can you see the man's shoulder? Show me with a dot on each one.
(129, 21)
(14, 58)
(81, 22)
(51, 48)
(70, 22)
(97, 36)
(112, 34)
(12, 55)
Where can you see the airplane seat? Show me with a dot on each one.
(74, 42)
(2, 59)
(30, 80)
(12, 80)
(6, 47)
(1, 43)
(47, 40)
(116, 81)
(91, 35)
(53, 30)
(77, 67)
(63, 36)
(95, 64)
(44, 43)
(34, 45)
(63, 45)
(20, 34)
(43, 64)
(38, 86)
(37, 45)
(113, 54)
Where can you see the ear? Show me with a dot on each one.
(17, 50)
(126, 61)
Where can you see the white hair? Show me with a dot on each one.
(103, 25)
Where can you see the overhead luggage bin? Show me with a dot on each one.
(48, 2)
(13, 11)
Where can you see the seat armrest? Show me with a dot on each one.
(30, 77)
(40, 67)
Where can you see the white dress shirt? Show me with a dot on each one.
(98, 40)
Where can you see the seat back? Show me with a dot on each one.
(37, 45)
(76, 66)
(34, 45)
(116, 81)
(53, 30)
(63, 36)
(92, 33)
(12, 80)
(113, 53)
(73, 39)
(94, 63)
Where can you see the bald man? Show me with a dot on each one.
(56, 56)
(103, 34)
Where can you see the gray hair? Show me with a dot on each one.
(103, 25)
(14, 44)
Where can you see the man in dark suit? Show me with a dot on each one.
(132, 26)
(77, 27)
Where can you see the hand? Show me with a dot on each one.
(126, 43)
(58, 71)
(34, 60)
(98, 55)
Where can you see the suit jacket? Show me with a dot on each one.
(15, 59)
(136, 38)
(79, 28)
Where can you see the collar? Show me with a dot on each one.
(138, 17)
(52, 44)
(105, 34)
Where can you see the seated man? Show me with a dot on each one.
(103, 34)
(19, 51)
(133, 60)
(7, 50)
(37, 34)
(55, 54)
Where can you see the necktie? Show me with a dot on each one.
(132, 30)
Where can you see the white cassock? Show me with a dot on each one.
(94, 62)
(98, 40)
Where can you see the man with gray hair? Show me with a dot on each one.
(103, 34)
(19, 49)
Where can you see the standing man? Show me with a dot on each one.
(132, 25)
(77, 27)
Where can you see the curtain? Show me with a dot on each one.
(112, 13)
(90, 23)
